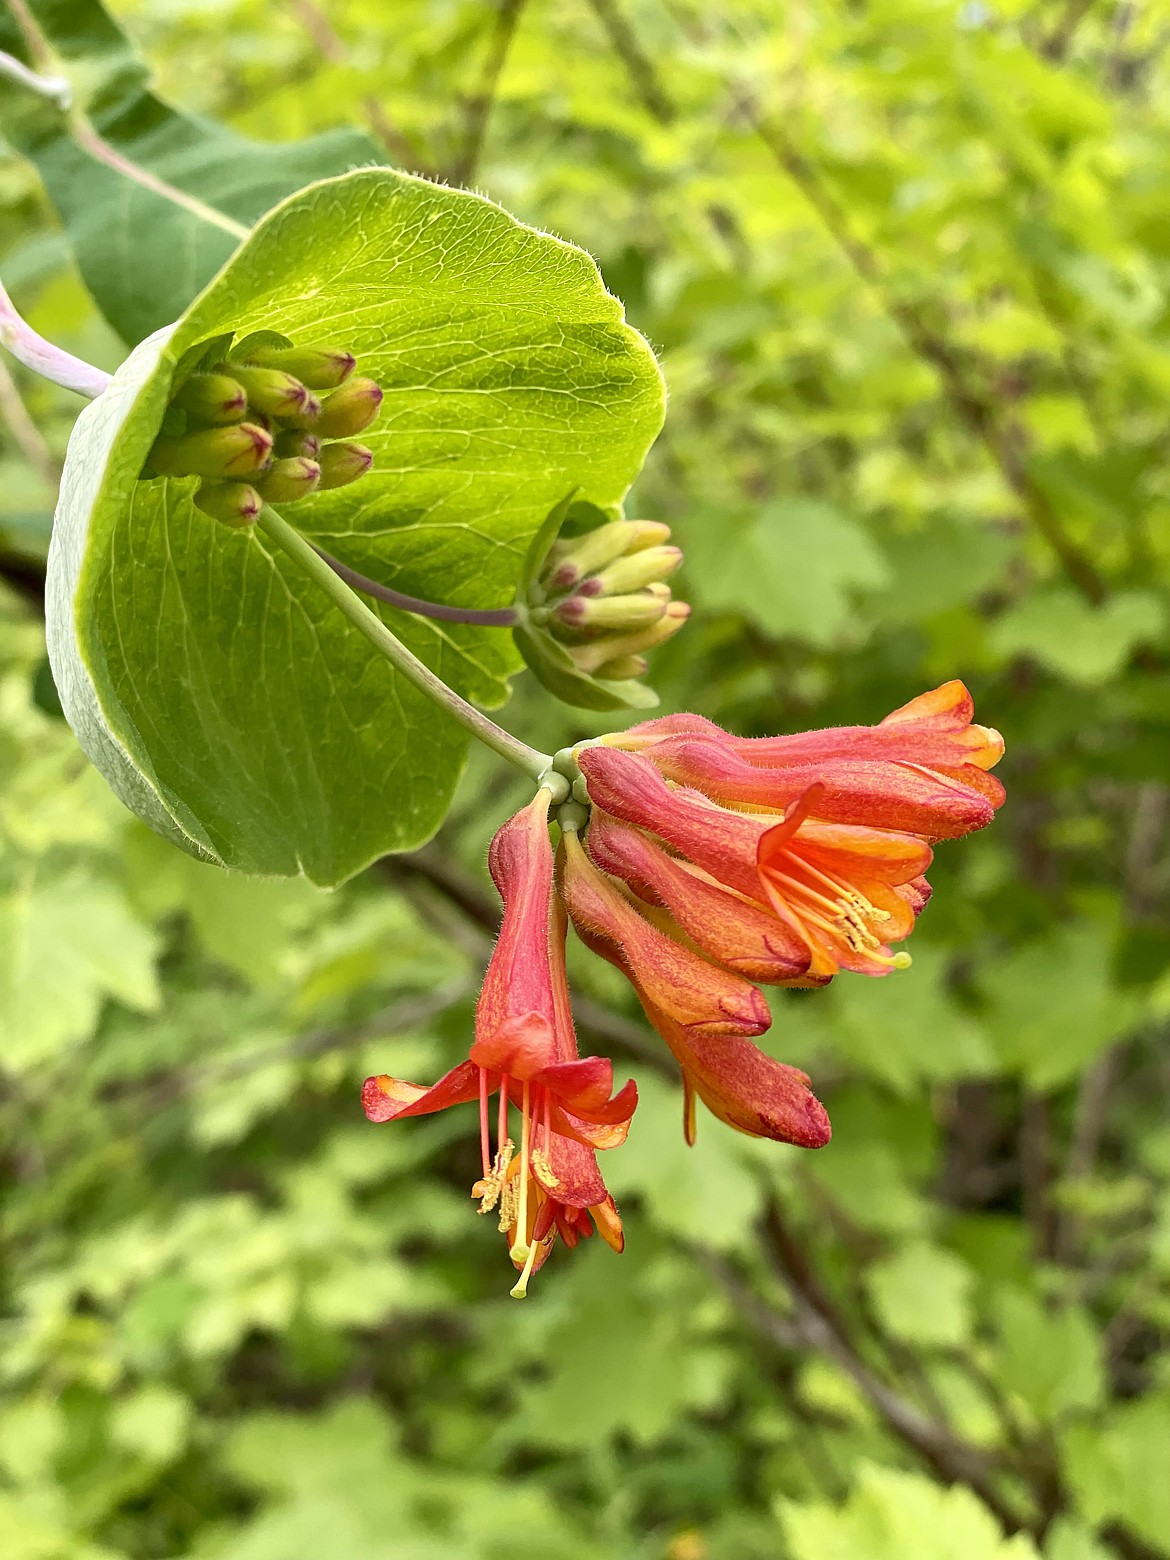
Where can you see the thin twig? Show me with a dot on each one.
(1056, 46)
(973, 406)
(28, 437)
(639, 66)
(479, 108)
(1036, 1172)
(951, 1458)
(332, 47)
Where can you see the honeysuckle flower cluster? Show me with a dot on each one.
(702, 865)
(266, 422)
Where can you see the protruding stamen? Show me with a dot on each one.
(519, 1290)
(520, 1244)
(485, 1146)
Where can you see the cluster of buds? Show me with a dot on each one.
(267, 423)
(703, 866)
(596, 604)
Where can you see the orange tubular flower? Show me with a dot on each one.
(922, 770)
(703, 1012)
(781, 860)
(525, 1049)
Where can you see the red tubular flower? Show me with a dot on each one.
(922, 770)
(844, 892)
(526, 1049)
(703, 1013)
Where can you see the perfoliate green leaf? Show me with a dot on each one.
(142, 256)
(219, 691)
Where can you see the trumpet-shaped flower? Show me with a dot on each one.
(923, 770)
(525, 1051)
(703, 1012)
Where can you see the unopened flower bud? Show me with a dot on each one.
(288, 480)
(231, 503)
(592, 657)
(348, 410)
(321, 368)
(212, 398)
(601, 612)
(277, 393)
(570, 562)
(646, 533)
(623, 667)
(342, 464)
(657, 589)
(212, 452)
(296, 441)
(634, 571)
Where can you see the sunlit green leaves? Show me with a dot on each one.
(144, 257)
(794, 567)
(892, 1515)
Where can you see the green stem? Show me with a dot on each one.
(294, 545)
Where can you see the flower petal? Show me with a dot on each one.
(584, 1087)
(520, 1046)
(876, 792)
(575, 1179)
(747, 1089)
(723, 843)
(691, 992)
(518, 984)
(934, 730)
(735, 932)
(385, 1098)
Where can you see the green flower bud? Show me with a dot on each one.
(232, 503)
(591, 658)
(633, 571)
(212, 452)
(277, 393)
(342, 464)
(288, 480)
(569, 562)
(348, 410)
(602, 612)
(321, 368)
(212, 398)
(296, 441)
(647, 533)
(622, 667)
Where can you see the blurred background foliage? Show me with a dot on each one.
(907, 267)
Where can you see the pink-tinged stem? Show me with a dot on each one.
(487, 617)
(44, 358)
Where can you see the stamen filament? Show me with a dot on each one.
(519, 1290)
(520, 1247)
(485, 1146)
(502, 1117)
